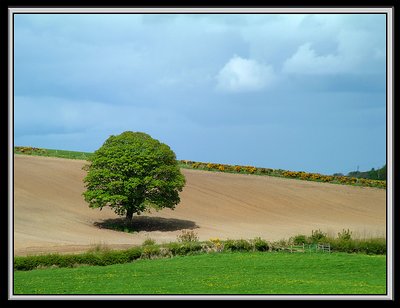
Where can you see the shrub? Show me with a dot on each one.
(113, 257)
(299, 239)
(92, 259)
(214, 245)
(192, 248)
(148, 242)
(251, 169)
(266, 170)
(237, 245)
(279, 245)
(373, 246)
(150, 252)
(186, 248)
(30, 150)
(165, 253)
(317, 236)
(105, 257)
(260, 245)
(368, 246)
(229, 245)
(345, 235)
(25, 263)
(133, 253)
(174, 248)
(187, 236)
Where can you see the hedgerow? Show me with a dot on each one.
(191, 245)
(300, 175)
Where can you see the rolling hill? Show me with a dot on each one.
(50, 214)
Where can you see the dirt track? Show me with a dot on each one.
(50, 213)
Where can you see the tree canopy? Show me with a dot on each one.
(131, 173)
(379, 174)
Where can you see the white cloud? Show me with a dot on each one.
(306, 61)
(241, 75)
(357, 51)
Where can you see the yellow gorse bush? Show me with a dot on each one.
(301, 175)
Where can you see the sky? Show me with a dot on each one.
(301, 92)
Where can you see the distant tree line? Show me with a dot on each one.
(378, 174)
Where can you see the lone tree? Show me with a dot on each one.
(132, 172)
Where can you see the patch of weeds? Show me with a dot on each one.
(187, 236)
(148, 242)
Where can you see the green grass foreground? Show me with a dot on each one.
(217, 273)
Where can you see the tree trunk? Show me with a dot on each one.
(129, 214)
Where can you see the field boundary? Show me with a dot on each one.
(149, 250)
(215, 167)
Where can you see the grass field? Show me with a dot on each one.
(218, 273)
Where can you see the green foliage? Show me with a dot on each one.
(29, 150)
(132, 172)
(368, 246)
(280, 245)
(150, 252)
(187, 236)
(317, 236)
(337, 178)
(260, 244)
(133, 253)
(300, 239)
(25, 263)
(373, 246)
(100, 257)
(345, 235)
(184, 248)
(379, 174)
(148, 242)
(237, 245)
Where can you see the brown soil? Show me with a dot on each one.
(50, 214)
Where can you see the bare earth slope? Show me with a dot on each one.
(51, 215)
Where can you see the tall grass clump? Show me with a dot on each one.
(148, 242)
(187, 236)
(345, 235)
(317, 236)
